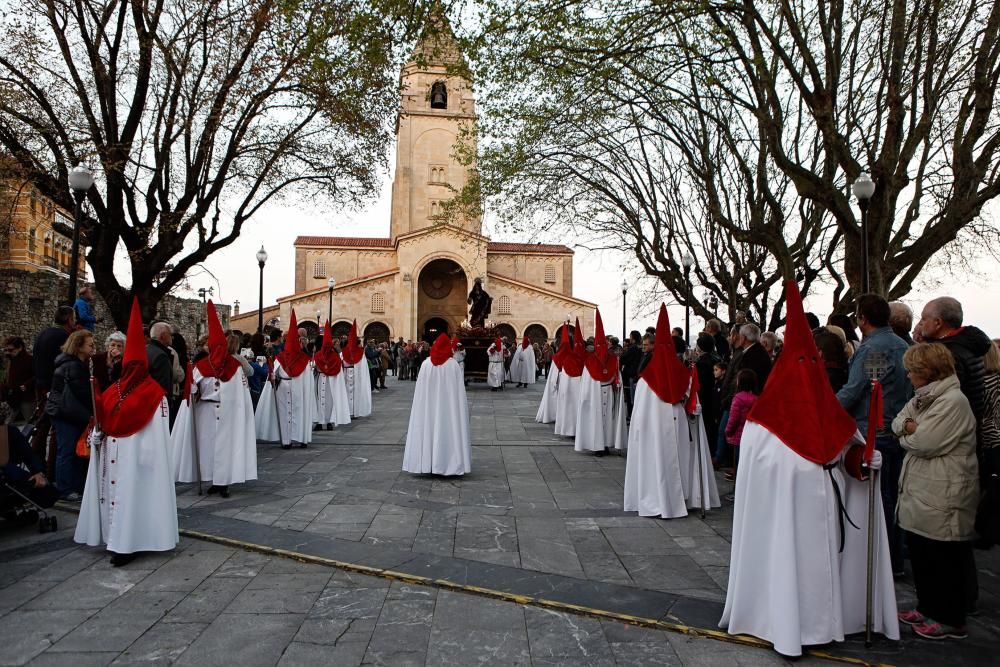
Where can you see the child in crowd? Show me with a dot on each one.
(743, 401)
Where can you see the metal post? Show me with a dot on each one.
(865, 273)
(329, 309)
(687, 306)
(624, 326)
(75, 255)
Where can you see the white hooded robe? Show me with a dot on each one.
(522, 366)
(495, 373)
(296, 402)
(547, 408)
(129, 502)
(227, 441)
(437, 438)
(358, 384)
(597, 415)
(332, 403)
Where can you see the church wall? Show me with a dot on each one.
(531, 269)
(343, 264)
(354, 301)
(528, 307)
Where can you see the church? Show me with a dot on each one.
(415, 283)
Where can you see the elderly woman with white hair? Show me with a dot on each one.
(108, 365)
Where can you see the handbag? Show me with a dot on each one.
(83, 442)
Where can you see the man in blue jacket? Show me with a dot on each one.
(84, 309)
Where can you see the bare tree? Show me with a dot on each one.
(196, 115)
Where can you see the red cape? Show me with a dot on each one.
(327, 360)
(441, 350)
(665, 374)
(353, 351)
(292, 359)
(602, 365)
(219, 363)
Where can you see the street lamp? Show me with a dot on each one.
(331, 283)
(863, 189)
(624, 327)
(687, 261)
(261, 258)
(712, 302)
(204, 292)
(81, 180)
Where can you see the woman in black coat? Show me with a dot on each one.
(70, 405)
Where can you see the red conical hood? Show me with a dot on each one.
(798, 404)
(219, 363)
(441, 350)
(665, 374)
(127, 406)
(574, 362)
(565, 348)
(353, 352)
(602, 365)
(498, 344)
(327, 360)
(525, 342)
(292, 359)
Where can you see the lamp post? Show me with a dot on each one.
(687, 261)
(204, 293)
(863, 189)
(261, 258)
(624, 327)
(330, 283)
(712, 302)
(81, 180)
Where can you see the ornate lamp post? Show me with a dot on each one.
(687, 261)
(330, 283)
(624, 326)
(261, 259)
(863, 189)
(81, 180)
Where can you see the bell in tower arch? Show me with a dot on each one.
(439, 96)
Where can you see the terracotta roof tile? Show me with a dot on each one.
(351, 241)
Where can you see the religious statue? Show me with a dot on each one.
(480, 302)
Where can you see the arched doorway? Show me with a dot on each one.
(505, 330)
(536, 333)
(569, 328)
(442, 289)
(339, 329)
(378, 331)
(311, 327)
(433, 328)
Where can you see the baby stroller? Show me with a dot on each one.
(21, 503)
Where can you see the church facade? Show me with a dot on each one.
(414, 283)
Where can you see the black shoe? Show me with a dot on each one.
(286, 446)
(304, 445)
(603, 452)
(213, 490)
(224, 491)
(117, 560)
(329, 427)
(317, 427)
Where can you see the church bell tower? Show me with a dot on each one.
(435, 130)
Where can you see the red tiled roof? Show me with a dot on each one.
(499, 246)
(351, 241)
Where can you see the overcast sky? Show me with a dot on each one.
(597, 277)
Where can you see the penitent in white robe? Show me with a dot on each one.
(547, 408)
(495, 372)
(653, 482)
(522, 366)
(567, 404)
(227, 442)
(702, 495)
(332, 404)
(129, 502)
(292, 419)
(789, 583)
(437, 438)
(597, 414)
(358, 384)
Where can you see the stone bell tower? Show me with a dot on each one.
(436, 124)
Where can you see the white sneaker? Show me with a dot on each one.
(374, 391)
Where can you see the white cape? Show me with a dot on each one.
(547, 408)
(292, 419)
(567, 401)
(597, 416)
(495, 373)
(437, 438)
(522, 366)
(129, 502)
(358, 383)
(332, 404)
(788, 581)
(227, 442)
(691, 469)
(653, 481)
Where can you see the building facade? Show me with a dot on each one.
(36, 235)
(414, 283)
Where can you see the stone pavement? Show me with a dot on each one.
(206, 604)
(534, 519)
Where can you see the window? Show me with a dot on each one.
(319, 268)
(550, 274)
(378, 302)
(437, 173)
(31, 241)
(504, 305)
(436, 208)
(439, 95)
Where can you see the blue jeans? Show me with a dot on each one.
(721, 446)
(71, 474)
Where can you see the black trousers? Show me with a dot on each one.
(941, 575)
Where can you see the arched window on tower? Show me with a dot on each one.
(439, 95)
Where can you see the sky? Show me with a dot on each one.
(597, 276)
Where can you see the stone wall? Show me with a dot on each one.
(29, 300)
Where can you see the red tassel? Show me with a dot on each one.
(876, 417)
(692, 402)
(188, 379)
